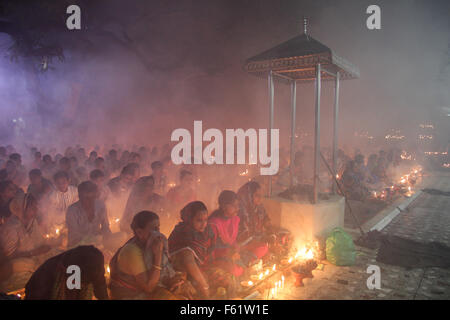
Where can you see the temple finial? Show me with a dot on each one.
(305, 25)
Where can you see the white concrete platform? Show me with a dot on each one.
(306, 221)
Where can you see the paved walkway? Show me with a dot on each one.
(427, 219)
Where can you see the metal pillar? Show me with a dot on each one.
(271, 93)
(335, 130)
(317, 135)
(293, 115)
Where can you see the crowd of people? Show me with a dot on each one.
(359, 177)
(119, 208)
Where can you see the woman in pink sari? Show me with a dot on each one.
(225, 224)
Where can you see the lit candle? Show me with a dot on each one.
(274, 267)
(261, 275)
(267, 272)
(290, 260)
(250, 283)
(272, 291)
(282, 281)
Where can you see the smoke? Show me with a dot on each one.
(189, 67)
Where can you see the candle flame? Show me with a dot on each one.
(250, 283)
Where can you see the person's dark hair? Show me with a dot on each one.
(47, 157)
(184, 174)
(60, 175)
(95, 174)
(99, 159)
(227, 197)
(129, 169)
(11, 162)
(88, 258)
(191, 209)
(87, 187)
(5, 211)
(141, 219)
(64, 160)
(134, 155)
(35, 173)
(359, 158)
(350, 165)
(157, 165)
(5, 184)
(15, 157)
(93, 154)
(112, 153)
(252, 187)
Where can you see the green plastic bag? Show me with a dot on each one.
(340, 249)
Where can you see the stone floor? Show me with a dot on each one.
(427, 219)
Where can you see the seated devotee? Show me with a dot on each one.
(191, 244)
(8, 190)
(124, 158)
(3, 153)
(225, 224)
(47, 166)
(81, 174)
(37, 160)
(142, 197)
(22, 243)
(49, 281)
(179, 195)
(160, 177)
(81, 155)
(360, 168)
(354, 188)
(10, 172)
(255, 227)
(90, 162)
(371, 165)
(87, 219)
(112, 162)
(98, 177)
(121, 185)
(100, 164)
(380, 170)
(20, 175)
(59, 200)
(66, 166)
(39, 186)
(141, 268)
